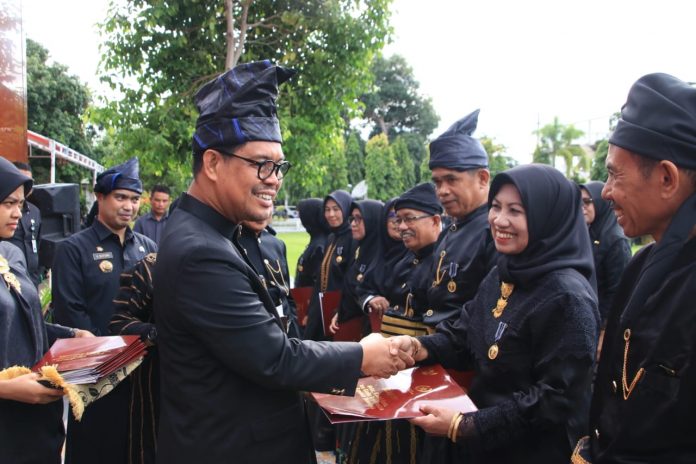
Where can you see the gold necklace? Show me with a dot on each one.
(625, 387)
(438, 276)
(273, 273)
(325, 265)
(505, 292)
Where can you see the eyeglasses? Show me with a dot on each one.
(586, 201)
(357, 219)
(409, 220)
(266, 167)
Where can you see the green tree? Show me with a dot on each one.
(424, 169)
(394, 103)
(556, 140)
(382, 171)
(498, 161)
(57, 103)
(599, 170)
(355, 158)
(157, 54)
(404, 163)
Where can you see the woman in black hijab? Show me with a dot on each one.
(610, 247)
(311, 213)
(530, 333)
(340, 248)
(365, 221)
(31, 426)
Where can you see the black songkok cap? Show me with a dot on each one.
(422, 197)
(658, 120)
(124, 176)
(457, 149)
(11, 178)
(239, 106)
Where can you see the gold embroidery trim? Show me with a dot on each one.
(625, 387)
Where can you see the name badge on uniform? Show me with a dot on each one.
(34, 246)
(104, 255)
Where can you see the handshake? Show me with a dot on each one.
(384, 357)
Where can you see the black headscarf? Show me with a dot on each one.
(343, 200)
(11, 178)
(558, 237)
(311, 211)
(604, 230)
(370, 245)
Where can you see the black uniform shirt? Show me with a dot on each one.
(86, 274)
(27, 238)
(464, 256)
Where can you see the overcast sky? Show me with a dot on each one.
(520, 62)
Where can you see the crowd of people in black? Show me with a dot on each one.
(579, 351)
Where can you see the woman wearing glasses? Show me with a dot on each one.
(610, 247)
(530, 333)
(365, 228)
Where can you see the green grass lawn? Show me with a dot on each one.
(296, 243)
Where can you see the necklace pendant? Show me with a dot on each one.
(493, 351)
(452, 286)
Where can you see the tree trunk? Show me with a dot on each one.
(235, 47)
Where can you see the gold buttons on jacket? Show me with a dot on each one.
(429, 312)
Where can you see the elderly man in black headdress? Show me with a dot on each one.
(466, 253)
(230, 375)
(644, 404)
(418, 218)
(86, 275)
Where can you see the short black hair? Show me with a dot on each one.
(647, 164)
(198, 156)
(160, 188)
(22, 166)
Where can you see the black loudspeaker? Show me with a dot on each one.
(60, 216)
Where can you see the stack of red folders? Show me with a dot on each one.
(87, 360)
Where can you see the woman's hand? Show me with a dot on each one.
(379, 304)
(333, 328)
(436, 421)
(27, 389)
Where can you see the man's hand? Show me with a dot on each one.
(381, 358)
(333, 328)
(436, 421)
(26, 389)
(410, 345)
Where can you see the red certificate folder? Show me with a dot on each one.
(302, 297)
(398, 397)
(86, 360)
(328, 302)
(352, 330)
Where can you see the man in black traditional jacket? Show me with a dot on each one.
(465, 252)
(230, 375)
(644, 400)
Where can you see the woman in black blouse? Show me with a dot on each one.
(530, 333)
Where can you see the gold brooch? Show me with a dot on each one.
(10, 278)
(505, 292)
(106, 266)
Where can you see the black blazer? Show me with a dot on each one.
(230, 375)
